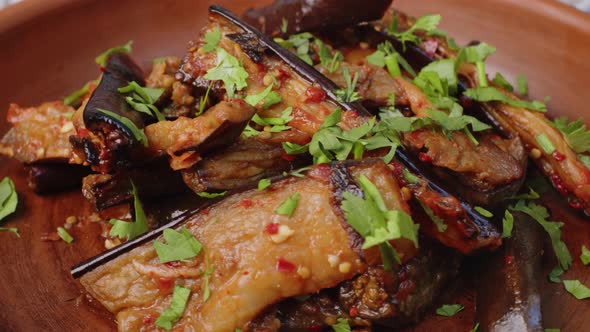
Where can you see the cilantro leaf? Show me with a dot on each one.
(540, 214)
(74, 98)
(329, 62)
(507, 224)
(449, 310)
(276, 124)
(229, 70)
(176, 308)
(263, 184)
(212, 39)
(555, 273)
(209, 269)
(387, 56)
(485, 94)
(502, 82)
(205, 194)
(445, 69)
(142, 99)
(483, 211)
(8, 197)
(426, 23)
(10, 229)
(287, 208)
(269, 97)
(585, 255)
(522, 85)
(300, 43)
(284, 25)
(131, 229)
(575, 133)
(101, 60)
(64, 235)
(475, 53)
(475, 328)
(577, 289)
(341, 326)
(203, 100)
(298, 173)
(399, 225)
(532, 194)
(438, 222)
(137, 133)
(348, 94)
(179, 246)
(545, 143)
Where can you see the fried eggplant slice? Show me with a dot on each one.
(314, 15)
(39, 134)
(47, 178)
(253, 268)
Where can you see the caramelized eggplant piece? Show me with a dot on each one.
(39, 134)
(313, 15)
(253, 269)
(509, 293)
(104, 141)
(55, 177)
(153, 180)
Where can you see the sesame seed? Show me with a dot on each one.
(535, 153)
(344, 267)
(283, 234)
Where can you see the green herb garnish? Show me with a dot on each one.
(74, 99)
(522, 86)
(10, 229)
(329, 62)
(179, 246)
(427, 24)
(263, 184)
(348, 94)
(585, 255)
(138, 134)
(575, 133)
(8, 197)
(229, 70)
(176, 308)
(212, 39)
(142, 99)
(204, 100)
(555, 273)
(301, 43)
(205, 194)
(477, 55)
(438, 222)
(545, 143)
(101, 60)
(284, 25)
(387, 56)
(287, 208)
(507, 224)
(131, 229)
(485, 94)
(268, 96)
(483, 211)
(502, 82)
(341, 326)
(209, 269)
(64, 235)
(577, 289)
(449, 310)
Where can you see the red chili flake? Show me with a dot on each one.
(283, 74)
(246, 203)
(353, 312)
(314, 94)
(558, 156)
(205, 212)
(576, 203)
(430, 46)
(101, 68)
(423, 156)
(165, 284)
(284, 265)
(173, 264)
(558, 184)
(508, 259)
(272, 228)
(316, 327)
(82, 132)
(288, 157)
(148, 320)
(50, 237)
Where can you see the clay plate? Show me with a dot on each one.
(48, 49)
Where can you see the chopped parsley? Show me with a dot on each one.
(263, 184)
(540, 214)
(348, 94)
(268, 96)
(275, 125)
(101, 60)
(13, 230)
(585, 255)
(205, 194)
(426, 23)
(8, 197)
(204, 100)
(176, 308)
(131, 229)
(449, 310)
(475, 328)
(375, 223)
(387, 56)
(555, 274)
(507, 224)
(502, 82)
(483, 211)
(522, 86)
(284, 25)
(545, 143)
(142, 99)
(75, 98)
(229, 70)
(575, 132)
(532, 194)
(341, 326)
(477, 55)
(329, 62)
(577, 289)
(179, 246)
(209, 269)
(287, 208)
(485, 94)
(301, 43)
(138, 134)
(64, 235)
(298, 173)
(438, 222)
(212, 39)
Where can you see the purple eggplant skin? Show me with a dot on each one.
(509, 286)
(313, 15)
(55, 177)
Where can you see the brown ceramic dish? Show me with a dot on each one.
(47, 51)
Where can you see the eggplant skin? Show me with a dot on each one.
(314, 15)
(52, 178)
(102, 141)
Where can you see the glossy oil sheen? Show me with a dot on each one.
(47, 50)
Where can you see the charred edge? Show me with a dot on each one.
(342, 181)
(487, 229)
(119, 71)
(298, 65)
(249, 44)
(51, 178)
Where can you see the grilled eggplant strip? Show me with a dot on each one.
(567, 173)
(251, 270)
(313, 15)
(47, 178)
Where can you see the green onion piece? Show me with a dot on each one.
(64, 235)
(545, 143)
